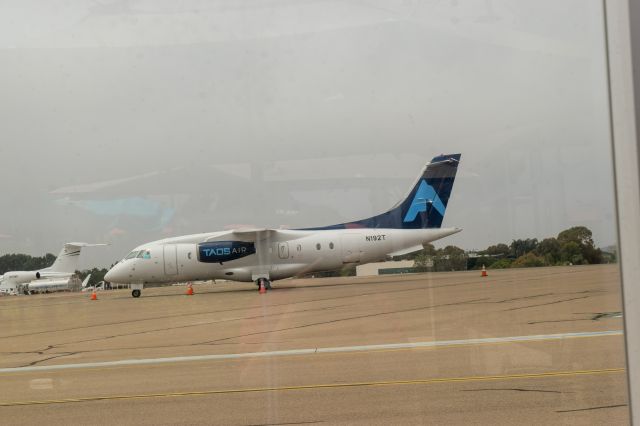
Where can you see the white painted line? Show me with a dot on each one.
(364, 348)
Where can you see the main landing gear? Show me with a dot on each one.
(136, 293)
(266, 283)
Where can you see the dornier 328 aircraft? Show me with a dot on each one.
(263, 255)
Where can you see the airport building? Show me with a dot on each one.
(384, 268)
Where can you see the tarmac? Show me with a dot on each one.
(521, 346)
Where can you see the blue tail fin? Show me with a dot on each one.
(425, 205)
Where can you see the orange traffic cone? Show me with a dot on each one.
(263, 290)
(94, 295)
(189, 290)
(484, 271)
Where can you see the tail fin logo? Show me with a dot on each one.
(425, 196)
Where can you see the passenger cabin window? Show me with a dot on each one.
(331, 246)
(318, 246)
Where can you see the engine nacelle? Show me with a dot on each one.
(20, 277)
(27, 275)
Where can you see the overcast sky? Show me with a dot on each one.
(130, 121)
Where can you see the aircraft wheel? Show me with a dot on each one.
(135, 293)
(265, 282)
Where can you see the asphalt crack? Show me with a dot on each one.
(59, 345)
(60, 355)
(592, 408)
(546, 304)
(524, 298)
(344, 319)
(512, 389)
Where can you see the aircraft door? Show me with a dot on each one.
(170, 259)
(283, 250)
(351, 248)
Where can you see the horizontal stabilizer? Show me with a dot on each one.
(406, 251)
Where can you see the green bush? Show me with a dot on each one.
(529, 260)
(501, 264)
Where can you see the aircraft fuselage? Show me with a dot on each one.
(289, 253)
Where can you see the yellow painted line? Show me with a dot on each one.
(319, 386)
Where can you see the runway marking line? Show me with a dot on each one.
(318, 386)
(391, 347)
(285, 357)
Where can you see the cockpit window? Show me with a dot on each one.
(144, 254)
(132, 255)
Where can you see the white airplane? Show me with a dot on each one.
(262, 255)
(54, 278)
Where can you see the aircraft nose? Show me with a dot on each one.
(115, 275)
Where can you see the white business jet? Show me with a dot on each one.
(54, 278)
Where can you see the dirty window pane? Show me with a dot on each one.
(453, 159)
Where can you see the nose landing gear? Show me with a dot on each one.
(136, 289)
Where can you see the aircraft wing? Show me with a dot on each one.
(256, 235)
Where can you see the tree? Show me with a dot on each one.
(549, 248)
(522, 247)
(97, 275)
(424, 257)
(498, 250)
(429, 249)
(571, 252)
(24, 262)
(578, 234)
(451, 251)
(478, 262)
(528, 260)
(583, 238)
(451, 258)
(501, 264)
